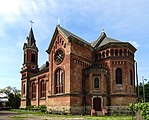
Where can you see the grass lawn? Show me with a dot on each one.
(109, 118)
(23, 115)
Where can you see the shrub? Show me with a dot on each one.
(144, 107)
(30, 107)
(42, 108)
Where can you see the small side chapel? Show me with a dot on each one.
(78, 76)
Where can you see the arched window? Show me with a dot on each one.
(59, 81)
(116, 52)
(99, 56)
(107, 53)
(120, 52)
(58, 40)
(33, 90)
(131, 79)
(103, 54)
(23, 88)
(96, 83)
(43, 89)
(33, 58)
(112, 52)
(118, 76)
(125, 52)
(96, 56)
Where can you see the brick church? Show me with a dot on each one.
(78, 75)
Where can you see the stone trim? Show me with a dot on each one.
(59, 95)
(133, 95)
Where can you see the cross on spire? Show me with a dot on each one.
(31, 23)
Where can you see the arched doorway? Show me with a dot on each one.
(97, 104)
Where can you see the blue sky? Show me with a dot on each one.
(126, 20)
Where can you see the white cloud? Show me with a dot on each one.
(9, 10)
(9, 7)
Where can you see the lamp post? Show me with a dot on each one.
(143, 88)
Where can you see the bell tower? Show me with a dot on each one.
(30, 66)
(30, 54)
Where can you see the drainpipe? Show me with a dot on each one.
(108, 91)
(28, 92)
(83, 92)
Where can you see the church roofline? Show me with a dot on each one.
(102, 40)
(69, 36)
(117, 45)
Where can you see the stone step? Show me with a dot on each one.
(99, 113)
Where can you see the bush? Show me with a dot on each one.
(42, 108)
(144, 107)
(30, 107)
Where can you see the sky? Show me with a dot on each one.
(125, 20)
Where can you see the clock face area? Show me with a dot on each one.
(59, 56)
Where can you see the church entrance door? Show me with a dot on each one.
(97, 104)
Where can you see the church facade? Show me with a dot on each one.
(78, 76)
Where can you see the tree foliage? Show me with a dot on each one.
(143, 107)
(13, 95)
(140, 92)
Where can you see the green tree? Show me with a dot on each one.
(140, 88)
(13, 95)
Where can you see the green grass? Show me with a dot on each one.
(86, 117)
(109, 118)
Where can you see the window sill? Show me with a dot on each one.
(59, 93)
(96, 90)
(119, 85)
(33, 99)
(43, 98)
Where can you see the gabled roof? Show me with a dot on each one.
(67, 34)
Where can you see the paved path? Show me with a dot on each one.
(8, 115)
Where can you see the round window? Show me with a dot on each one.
(59, 56)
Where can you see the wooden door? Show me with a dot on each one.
(97, 104)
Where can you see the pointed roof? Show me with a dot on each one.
(31, 39)
(107, 40)
(31, 42)
(103, 40)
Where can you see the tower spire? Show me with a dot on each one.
(31, 42)
(31, 37)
